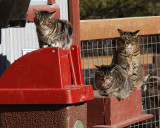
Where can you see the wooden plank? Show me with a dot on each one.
(107, 28)
(95, 115)
(90, 62)
(127, 122)
(74, 18)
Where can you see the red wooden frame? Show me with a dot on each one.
(74, 17)
(29, 81)
(50, 8)
(51, 1)
(110, 112)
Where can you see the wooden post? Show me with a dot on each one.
(74, 18)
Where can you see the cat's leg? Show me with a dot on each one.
(114, 59)
(137, 83)
(114, 90)
(42, 44)
(56, 44)
(134, 74)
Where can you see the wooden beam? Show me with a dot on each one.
(74, 17)
(107, 28)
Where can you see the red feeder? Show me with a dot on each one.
(45, 76)
(45, 88)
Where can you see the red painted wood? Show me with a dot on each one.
(48, 75)
(95, 112)
(51, 1)
(117, 111)
(114, 111)
(74, 17)
(50, 8)
(125, 123)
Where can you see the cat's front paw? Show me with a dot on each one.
(44, 46)
(133, 88)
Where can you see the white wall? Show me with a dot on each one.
(63, 4)
(14, 40)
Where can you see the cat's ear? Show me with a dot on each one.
(135, 33)
(51, 14)
(120, 31)
(97, 67)
(36, 12)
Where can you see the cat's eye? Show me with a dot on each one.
(133, 43)
(49, 21)
(41, 23)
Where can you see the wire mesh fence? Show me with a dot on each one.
(99, 52)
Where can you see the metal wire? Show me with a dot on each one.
(100, 52)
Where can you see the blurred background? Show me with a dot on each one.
(104, 9)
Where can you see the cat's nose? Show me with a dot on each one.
(126, 44)
(105, 78)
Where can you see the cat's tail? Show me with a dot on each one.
(151, 79)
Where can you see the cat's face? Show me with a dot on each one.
(128, 40)
(44, 19)
(104, 75)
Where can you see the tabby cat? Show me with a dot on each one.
(128, 55)
(112, 80)
(52, 32)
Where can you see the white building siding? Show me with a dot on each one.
(38, 2)
(14, 40)
(63, 4)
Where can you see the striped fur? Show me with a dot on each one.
(112, 80)
(128, 57)
(52, 32)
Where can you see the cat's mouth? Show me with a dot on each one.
(106, 85)
(44, 27)
(128, 46)
(128, 50)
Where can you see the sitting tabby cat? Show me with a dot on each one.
(112, 80)
(52, 32)
(128, 53)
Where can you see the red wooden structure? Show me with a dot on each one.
(53, 76)
(45, 88)
(109, 112)
(45, 76)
